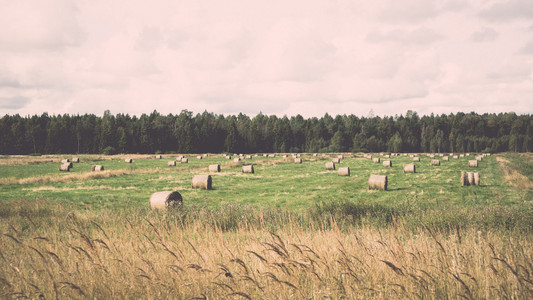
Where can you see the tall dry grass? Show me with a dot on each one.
(47, 250)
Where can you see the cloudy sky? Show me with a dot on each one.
(278, 57)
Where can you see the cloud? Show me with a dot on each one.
(527, 48)
(415, 11)
(485, 34)
(508, 10)
(13, 103)
(419, 36)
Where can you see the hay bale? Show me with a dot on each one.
(464, 179)
(158, 156)
(461, 155)
(446, 158)
(97, 168)
(344, 171)
(164, 200)
(202, 182)
(472, 163)
(468, 154)
(272, 155)
(376, 160)
(172, 163)
(479, 158)
(476, 178)
(340, 156)
(214, 168)
(435, 162)
(336, 160)
(470, 176)
(377, 182)
(386, 156)
(416, 158)
(387, 163)
(65, 167)
(330, 166)
(248, 169)
(432, 156)
(297, 160)
(76, 159)
(199, 157)
(237, 159)
(206, 155)
(409, 168)
(228, 156)
(441, 154)
(65, 161)
(128, 160)
(248, 156)
(184, 160)
(455, 157)
(179, 158)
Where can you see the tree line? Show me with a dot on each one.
(216, 133)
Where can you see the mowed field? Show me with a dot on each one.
(287, 231)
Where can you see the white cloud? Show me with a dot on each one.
(278, 57)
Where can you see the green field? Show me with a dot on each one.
(247, 216)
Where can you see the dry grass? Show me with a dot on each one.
(160, 255)
(46, 179)
(512, 175)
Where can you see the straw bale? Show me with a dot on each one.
(158, 156)
(297, 160)
(184, 160)
(97, 168)
(214, 168)
(65, 167)
(472, 163)
(172, 163)
(387, 163)
(76, 159)
(416, 158)
(376, 160)
(464, 179)
(377, 182)
(248, 169)
(166, 199)
(343, 171)
(202, 182)
(336, 160)
(237, 159)
(128, 160)
(330, 166)
(445, 158)
(470, 176)
(409, 168)
(435, 162)
(476, 178)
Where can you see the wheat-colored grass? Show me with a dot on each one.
(52, 252)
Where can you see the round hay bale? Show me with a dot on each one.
(416, 158)
(65, 161)
(409, 168)
(330, 166)
(248, 169)
(128, 160)
(472, 163)
(377, 182)
(97, 168)
(237, 159)
(432, 156)
(172, 163)
(461, 155)
(64, 167)
(298, 160)
(336, 160)
(387, 163)
(248, 156)
(344, 171)
(199, 157)
(158, 156)
(179, 158)
(340, 156)
(315, 154)
(376, 160)
(441, 154)
(446, 158)
(455, 157)
(470, 176)
(464, 179)
(202, 182)
(206, 155)
(386, 156)
(285, 156)
(76, 159)
(468, 154)
(214, 168)
(435, 162)
(476, 178)
(272, 155)
(228, 156)
(164, 200)
(184, 160)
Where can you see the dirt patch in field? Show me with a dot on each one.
(512, 175)
(80, 188)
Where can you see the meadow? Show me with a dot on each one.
(287, 231)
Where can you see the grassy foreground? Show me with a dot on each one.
(288, 231)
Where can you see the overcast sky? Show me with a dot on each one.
(281, 57)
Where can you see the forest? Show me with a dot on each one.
(215, 133)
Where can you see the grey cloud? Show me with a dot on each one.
(421, 36)
(508, 10)
(528, 48)
(13, 102)
(485, 34)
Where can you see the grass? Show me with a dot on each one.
(287, 231)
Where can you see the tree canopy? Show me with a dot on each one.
(209, 132)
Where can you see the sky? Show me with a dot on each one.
(307, 57)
